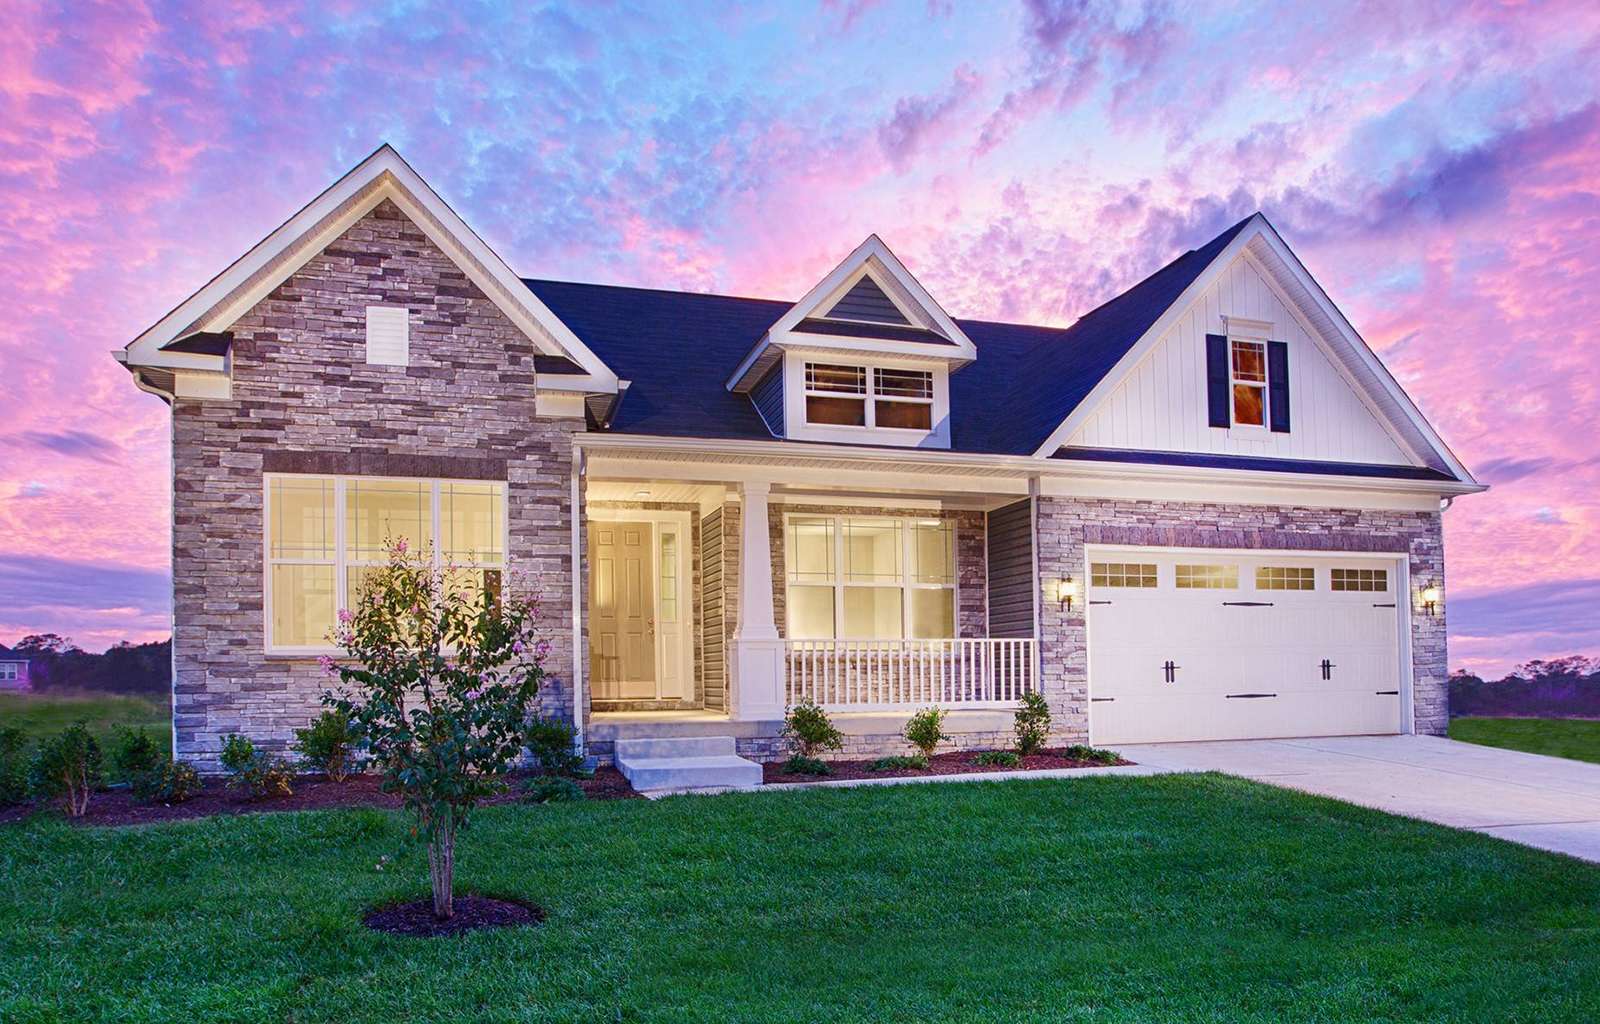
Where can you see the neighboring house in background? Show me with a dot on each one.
(1205, 510)
(13, 670)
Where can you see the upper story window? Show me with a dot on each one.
(1247, 361)
(859, 396)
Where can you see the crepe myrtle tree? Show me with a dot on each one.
(438, 679)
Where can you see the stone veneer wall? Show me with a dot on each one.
(305, 400)
(1067, 524)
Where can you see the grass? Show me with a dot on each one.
(1195, 897)
(1577, 738)
(40, 714)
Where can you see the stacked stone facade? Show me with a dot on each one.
(305, 400)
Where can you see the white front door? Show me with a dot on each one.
(1210, 646)
(639, 611)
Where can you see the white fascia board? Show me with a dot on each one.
(831, 346)
(383, 175)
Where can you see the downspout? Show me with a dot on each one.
(576, 484)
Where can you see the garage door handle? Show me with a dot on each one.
(1247, 604)
(1387, 693)
(1249, 696)
(1389, 605)
(1101, 700)
(1099, 602)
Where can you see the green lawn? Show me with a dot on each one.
(41, 714)
(1577, 738)
(1101, 899)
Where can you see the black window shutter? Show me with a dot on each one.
(1278, 385)
(1217, 379)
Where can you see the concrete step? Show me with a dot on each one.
(690, 773)
(675, 746)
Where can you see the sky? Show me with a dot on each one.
(1435, 165)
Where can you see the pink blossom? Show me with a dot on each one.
(327, 665)
(400, 546)
(516, 648)
(346, 616)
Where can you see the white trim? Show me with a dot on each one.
(797, 427)
(904, 582)
(383, 175)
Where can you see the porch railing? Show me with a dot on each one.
(868, 675)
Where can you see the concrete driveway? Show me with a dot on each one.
(1547, 802)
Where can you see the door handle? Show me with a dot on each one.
(1170, 671)
(1327, 669)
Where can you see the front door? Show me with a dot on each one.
(622, 647)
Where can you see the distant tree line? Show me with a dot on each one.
(56, 663)
(1561, 688)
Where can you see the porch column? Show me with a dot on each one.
(758, 690)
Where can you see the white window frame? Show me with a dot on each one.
(1264, 385)
(907, 584)
(799, 428)
(341, 561)
(9, 672)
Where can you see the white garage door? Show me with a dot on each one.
(1208, 646)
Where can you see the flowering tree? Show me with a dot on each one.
(444, 675)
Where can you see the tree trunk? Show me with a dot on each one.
(442, 869)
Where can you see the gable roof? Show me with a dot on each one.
(7, 654)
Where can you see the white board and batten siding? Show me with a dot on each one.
(1161, 405)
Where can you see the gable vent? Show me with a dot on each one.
(866, 301)
(388, 335)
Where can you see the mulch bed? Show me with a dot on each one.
(471, 913)
(311, 792)
(953, 763)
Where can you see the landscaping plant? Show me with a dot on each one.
(797, 765)
(68, 767)
(439, 682)
(551, 789)
(553, 746)
(328, 744)
(134, 752)
(898, 762)
(13, 766)
(925, 730)
(170, 782)
(1032, 723)
(1094, 755)
(809, 732)
(1000, 758)
(256, 772)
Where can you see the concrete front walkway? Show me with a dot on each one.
(1548, 802)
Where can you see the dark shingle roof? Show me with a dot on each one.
(679, 348)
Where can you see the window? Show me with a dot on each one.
(1247, 367)
(8, 672)
(839, 395)
(326, 534)
(1277, 577)
(388, 335)
(1208, 577)
(1361, 579)
(1122, 574)
(870, 578)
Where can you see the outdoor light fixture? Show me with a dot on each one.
(1065, 588)
(1430, 598)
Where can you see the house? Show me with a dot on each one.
(1204, 510)
(13, 671)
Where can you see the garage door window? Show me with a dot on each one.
(1208, 577)
(1361, 579)
(1122, 574)
(1279, 577)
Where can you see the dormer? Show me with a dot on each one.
(864, 357)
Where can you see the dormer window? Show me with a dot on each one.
(875, 397)
(1248, 375)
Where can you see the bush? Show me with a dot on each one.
(798, 765)
(256, 772)
(898, 762)
(68, 767)
(133, 753)
(1002, 758)
(925, 730)
(1094, 755)
(1032, 723)
(551, 789)
(328, 744)
(13, 766)
(170, 782)
(809, 731)
(553, 744)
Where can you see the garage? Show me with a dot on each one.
(1207, 645)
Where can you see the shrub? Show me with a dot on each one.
(553, 744)
(1002, 758)
(798, 765)
(1094, 755)
(328, 744)
(133, 753)
(898, 762)
(170, 782)
(809, 731)
(440, 681)
(256, 772)
(925, 730)
(13, 766)
(1032, 723)
(68, 767)
(551, 789)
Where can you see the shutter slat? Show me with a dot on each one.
(1278, 385)
(1217, 379)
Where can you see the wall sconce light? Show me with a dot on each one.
(1065, 590)
(1430, 598)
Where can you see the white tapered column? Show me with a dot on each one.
(758, 692)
